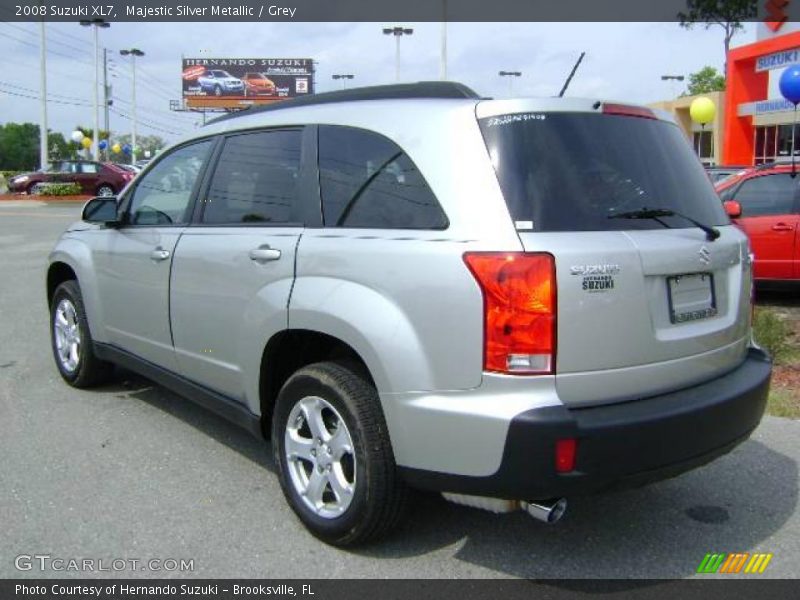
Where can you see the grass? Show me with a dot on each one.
(784, 403)
(780, 337)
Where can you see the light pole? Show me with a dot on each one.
(510, 75)
(397, 32)
(672, 78)
(96, 24)
(443, 49)
(344, 77)
(43, 159)
(133, 53)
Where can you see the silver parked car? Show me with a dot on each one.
(507, 301)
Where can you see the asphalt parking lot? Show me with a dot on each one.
(132, 471)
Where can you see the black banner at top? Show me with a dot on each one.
(769, 11)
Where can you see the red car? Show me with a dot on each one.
(258, 84)
(95, 178)
(763, 201)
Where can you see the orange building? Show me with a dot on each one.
(757, 124)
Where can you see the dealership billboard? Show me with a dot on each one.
(230, 83)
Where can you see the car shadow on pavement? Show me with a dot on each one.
(661, 531)
(664, 530)
(131, 385)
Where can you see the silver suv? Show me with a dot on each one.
(507, 301)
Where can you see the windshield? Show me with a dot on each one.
(572, 171)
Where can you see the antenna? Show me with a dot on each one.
(571, 75)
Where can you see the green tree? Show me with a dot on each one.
(58, 148)
(19, 146)
(706, 80)
(727, 14)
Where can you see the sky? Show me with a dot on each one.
(624, 61)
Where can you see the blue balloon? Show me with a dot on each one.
(790, 84)
(102, 145)
(126, 148)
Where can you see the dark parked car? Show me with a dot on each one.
(99, 179)
(763, 202)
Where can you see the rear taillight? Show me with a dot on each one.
(519, 310)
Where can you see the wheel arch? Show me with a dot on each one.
(57, 273)
(292, 349)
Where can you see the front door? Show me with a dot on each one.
(133, 262)
(770, 221)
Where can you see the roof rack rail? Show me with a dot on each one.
(422, 89)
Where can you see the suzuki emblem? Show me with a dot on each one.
(705, 255)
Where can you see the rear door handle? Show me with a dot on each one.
(782, 227)
(264, 254)
(159, 254)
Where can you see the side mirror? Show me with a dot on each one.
(101, 210)
(733, 208)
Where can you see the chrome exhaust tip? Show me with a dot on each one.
(549, 511)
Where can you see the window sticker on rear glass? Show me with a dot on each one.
(520, 118)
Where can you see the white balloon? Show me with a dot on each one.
(77, 136)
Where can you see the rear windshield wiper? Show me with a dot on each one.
(657, 214)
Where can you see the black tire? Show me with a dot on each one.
(35, 189)
(89, 370)
(379, 495)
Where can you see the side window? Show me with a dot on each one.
(368, 181)
(767, 195)
(256, 179)
(89, 168)
(162, 196)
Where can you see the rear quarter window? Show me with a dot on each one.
(367, 181)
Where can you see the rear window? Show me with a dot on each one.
(572, 171)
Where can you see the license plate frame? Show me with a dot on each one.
(691, 297)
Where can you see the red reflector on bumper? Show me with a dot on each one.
(565, 455)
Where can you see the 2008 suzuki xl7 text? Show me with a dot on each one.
(508, 301)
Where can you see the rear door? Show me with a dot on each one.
(770, 220)
(234, 267)
(646, 304)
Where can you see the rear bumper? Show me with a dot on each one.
(620, 445)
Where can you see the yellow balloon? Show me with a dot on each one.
(86, 142)
(116, 148)
(702, 110)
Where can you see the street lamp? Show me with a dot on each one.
(133, 53)
(96, 24)
(397, 32)
(43, 159)
(672, 78)
(510, 75)
(344, 77)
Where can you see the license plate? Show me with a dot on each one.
(691, 297)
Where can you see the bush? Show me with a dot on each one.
(60, 189)
(772, 333)
(9, 174)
